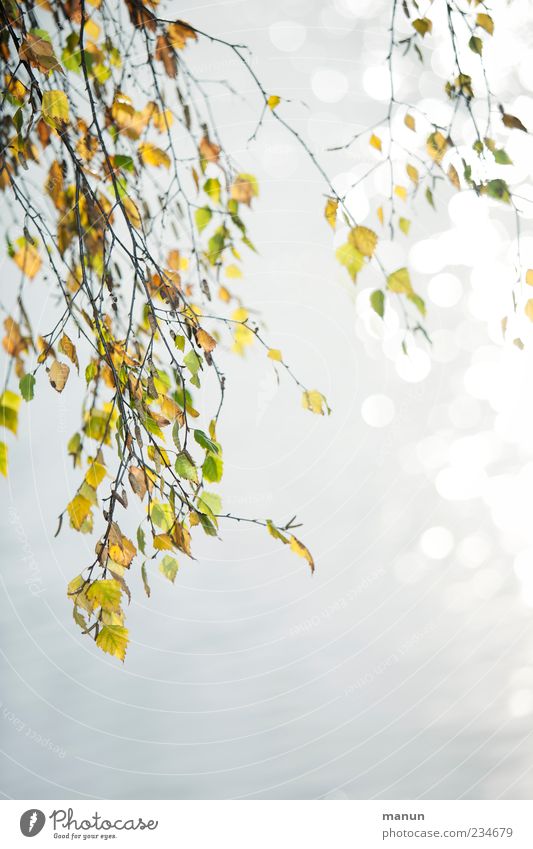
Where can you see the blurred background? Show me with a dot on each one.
(404, 667)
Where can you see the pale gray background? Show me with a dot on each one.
(389, 673)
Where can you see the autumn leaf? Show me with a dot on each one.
(244, 188)
(400, 282)
(436, 146)
(137, 479)
(275, 354)
(205, 341)
(67, 347)
(3, 459)
(273, 101)
(27, 258)
(152, 155)
(300, 549)
(106, 594)
(9, 410)
(179, 33)
(330, 212)
(113, 639)
(375, 141)
(58, 375)
(78, 510)
(37, 49)
(54, 109)
(486, 22)
(209, 151)
(364, 240)
(315, 402)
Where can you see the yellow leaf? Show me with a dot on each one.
(399, 281)
(106, 594)
(453, 177)
(178, 34)
(401, 191)
(485, 22)
(95, 474)
(77, 591)
(163, 542)
(315, 402)
(528, 309)
(375, 142)
(436, 146)
(58, 375)
(113, 639)
(92, 30)
(67, 347)
(27, 258)
(9, 410)
(409, 121)
(412, 173)
(273, 101)
(54, 109)
(274, 354)
(233, 272)
(380, 214)
(364, 239)
(3, 459)
(78, 509)
(152, 155)
(529, 277)
(330, 212)
(300, 549)
(240, 314)
(121, 549)
(132, 212)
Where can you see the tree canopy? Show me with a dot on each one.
(140, 226)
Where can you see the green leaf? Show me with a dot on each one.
(418, 302)
(26, 385)
(212, 501)
(377, 302)
(141, 540)
(499, 190)
(146, 585)
(202, 217)
(193, 362)
(169, 567)
(502, 158)
(405, 224)
(185, 468)
(202, 439)
(213, 468)
(274, 532)
(476, 45)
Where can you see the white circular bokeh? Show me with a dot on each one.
(377, 410)
(436, 542)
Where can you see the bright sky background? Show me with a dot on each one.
(403, 668)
